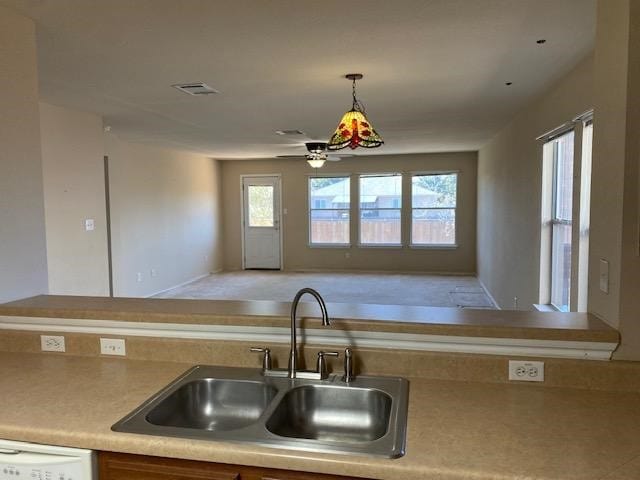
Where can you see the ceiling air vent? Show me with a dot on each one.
(289, 132)
(195, 88)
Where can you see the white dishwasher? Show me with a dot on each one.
(31, 461)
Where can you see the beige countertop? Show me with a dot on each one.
(380, 318)
(456, 430)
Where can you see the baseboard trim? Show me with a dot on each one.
(486, 291)
(194, 279)
(363, 339)
(396, 272)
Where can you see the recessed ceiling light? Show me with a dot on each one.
(289, 132)
(508, 83)
(541, 41)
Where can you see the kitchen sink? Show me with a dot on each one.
(367, 416)
(329, 413)
(212, 404)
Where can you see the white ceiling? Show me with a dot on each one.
(435, 70)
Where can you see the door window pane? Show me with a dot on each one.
(380, 207)
(260, 205)
(433, 209)
(329, 204)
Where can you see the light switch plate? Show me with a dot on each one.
(604, 275)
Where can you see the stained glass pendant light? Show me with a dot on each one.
(354, 130)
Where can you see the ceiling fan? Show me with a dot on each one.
(316, 154)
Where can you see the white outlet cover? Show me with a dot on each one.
(112, 346)
(89, 224)
(526, 371)
(52, 343)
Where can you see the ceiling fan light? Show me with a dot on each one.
(316, 162)
(316, 147)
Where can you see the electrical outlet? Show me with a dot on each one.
(52, 343)
(112, 346)
(139, 276)
(154, 272)
(526, 371)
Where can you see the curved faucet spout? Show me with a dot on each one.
(293, 354)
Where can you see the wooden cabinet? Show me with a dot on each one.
(122, 466)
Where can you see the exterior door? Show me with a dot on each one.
(261, 222)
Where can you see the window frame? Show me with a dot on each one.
(442, 246)
(579, 223)
(401, 209)
(311, 209)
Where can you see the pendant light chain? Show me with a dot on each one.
(357, 105)
(353, 90)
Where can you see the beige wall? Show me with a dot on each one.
(609, 130)
(509, 190)
(73, 171)
(165, 216)
(299, 256)
(23, 262)
(629, 294)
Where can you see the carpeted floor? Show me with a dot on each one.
(385, 289)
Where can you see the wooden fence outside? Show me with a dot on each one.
(382, 231)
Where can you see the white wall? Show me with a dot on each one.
(165, 216)
(23, 262)
(509, 190)
(73, 171)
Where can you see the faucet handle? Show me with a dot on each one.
(321, 365)
(266, 359)
(348, 366)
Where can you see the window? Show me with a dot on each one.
(261, 206)
(329, 204)
(380, 207)
(585, 208)
(561, 221)
(565, 218)
(433, 209)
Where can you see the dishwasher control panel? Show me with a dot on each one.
(39, 471)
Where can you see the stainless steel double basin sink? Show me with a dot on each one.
(367, 416)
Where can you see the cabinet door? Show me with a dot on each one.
(256, 473)
(115, 466)
(122, 466)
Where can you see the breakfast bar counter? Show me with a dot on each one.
(456, 430)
